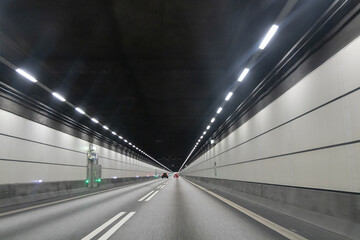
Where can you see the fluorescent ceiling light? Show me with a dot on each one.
(204, 132)
(125, 140)
(26, 75)
(212, 141)
(208, 127)
(228, 96)
(80, 110)
(106, 127)
(219, 110)
(120, 137)
(58, 96)
(201, 137)
(94, 120)
(212, 120)
(114, 133)
(243, 74)
(268, 36)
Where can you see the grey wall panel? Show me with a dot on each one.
(28, 172)
(293, 141)
(30, 151)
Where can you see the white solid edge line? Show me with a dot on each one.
(277, 228)
(145, 196)
(116, 227)
(102, 227)
(148, 199)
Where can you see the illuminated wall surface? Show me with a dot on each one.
(308, 137)
(30, 152)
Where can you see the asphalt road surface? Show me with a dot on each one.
(159, 209)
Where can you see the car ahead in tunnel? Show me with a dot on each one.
(164, 175)
(176, 175)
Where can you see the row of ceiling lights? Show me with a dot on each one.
(242, 76)
(78, 109)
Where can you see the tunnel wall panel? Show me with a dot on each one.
(30, 151)
(308, 137)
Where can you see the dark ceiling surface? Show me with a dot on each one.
(153, 71)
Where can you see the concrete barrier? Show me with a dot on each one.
(29, 193)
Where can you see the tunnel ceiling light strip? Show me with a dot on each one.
(268, 36)
(113, 133)
(80, 110)
(243, 74)
(228, 96)
(58, 96)
(106, 127)
(55, 94)
(26, 75)
(94, 120)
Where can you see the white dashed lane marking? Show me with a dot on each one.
(145, 196)
(102, 227)
(151, 196)
(116, 227)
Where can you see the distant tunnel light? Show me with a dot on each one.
(26, 75)
(208, 127)
(106, 127)
(212, 120)
(212, 141)
(228, 96)
(114, 133)
(80, 110)
(125, 140)
(94, 120)
(120, 137)
(58, 96)
(219, 110)
(268, 36)
(201, 137)
(204, 132)
(243, 74)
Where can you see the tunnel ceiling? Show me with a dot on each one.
(153, 71)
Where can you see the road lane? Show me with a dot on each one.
(169, 209)
(73, 219)
(182, 211)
